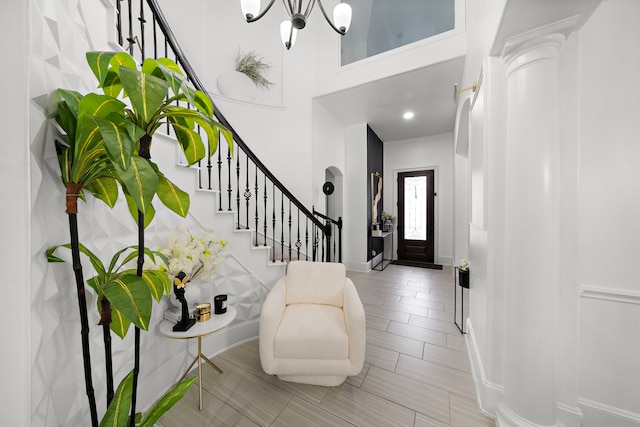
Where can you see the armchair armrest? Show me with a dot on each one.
(270, 316)
(354, 317)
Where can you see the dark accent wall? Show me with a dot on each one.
(375, 151)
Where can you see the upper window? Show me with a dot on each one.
(381, 25)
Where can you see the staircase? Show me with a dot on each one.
(270, 226)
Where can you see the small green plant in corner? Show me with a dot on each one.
(388, 217)
(254, 67)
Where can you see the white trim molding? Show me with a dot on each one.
(601, 414)
(606, 294)
(488, 394)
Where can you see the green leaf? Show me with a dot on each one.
(203, 103)
(95, 261)
(105, 189)
(133, 210)
(158, 282)
(171, 74)
(64, 160)
(172, 197)
(130, 295)
(99, 64)
(119, 324)
(140, 181)
(71, 99)
(117, 141)
(146, 92)
(166, 402)
(190, 142)
(117, 414)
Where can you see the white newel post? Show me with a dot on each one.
(532, 231)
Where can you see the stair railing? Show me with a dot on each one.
(261, 201)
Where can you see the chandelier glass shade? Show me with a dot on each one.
(298, 14)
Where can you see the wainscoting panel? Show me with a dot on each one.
(609, 353)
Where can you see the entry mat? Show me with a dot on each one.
(417, 264)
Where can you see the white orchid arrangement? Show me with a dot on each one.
(464, 265)
(192, 255)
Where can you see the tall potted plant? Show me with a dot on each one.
(153, 92)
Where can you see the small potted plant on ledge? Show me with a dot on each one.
(387, 221)
(249, 75)
(463, 273)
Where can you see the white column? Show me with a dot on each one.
(532, 232)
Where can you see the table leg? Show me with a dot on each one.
(200, 355)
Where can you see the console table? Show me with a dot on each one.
(382, 264)
(200, 329)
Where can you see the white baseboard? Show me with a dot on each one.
(599, 414)
(488, 394)
(362, 267)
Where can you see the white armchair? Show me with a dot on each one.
(312, 326)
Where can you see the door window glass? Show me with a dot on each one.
(415, 208)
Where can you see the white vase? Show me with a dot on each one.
(235, 84)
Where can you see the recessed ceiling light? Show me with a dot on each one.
(408, 115)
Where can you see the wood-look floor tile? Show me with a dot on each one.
(394, 342)
(356, 380)
(425, 421)
(447, 357)
(413, 394)
(457, 342)
(371, 300)
(418, 333)
(301, 413)
(385, 292)
(381, 357)
(378, 323)
(254, 397)
(452, 380)
(424, 296)
(214, 413)
(361, 408)
(466, 413)
(414, 309)
(434, 324)
(441, 315)
(386, 313)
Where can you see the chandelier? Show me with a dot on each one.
(297, 18)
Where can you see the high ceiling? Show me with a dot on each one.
(428, 92)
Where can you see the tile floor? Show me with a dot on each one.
(416, 372)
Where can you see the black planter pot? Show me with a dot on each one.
(463, 278)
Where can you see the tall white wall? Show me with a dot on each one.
(15, 218)
(608, 208)
(592, 372)
(435, 152)
(356, 199)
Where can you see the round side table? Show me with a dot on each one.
(200, 329)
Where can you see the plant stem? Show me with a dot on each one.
(82, 302)
(105, 321)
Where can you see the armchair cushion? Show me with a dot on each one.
(315, 283)
(312, 331)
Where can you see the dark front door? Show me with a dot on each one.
(415, 216)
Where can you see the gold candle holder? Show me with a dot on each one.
(203, 311)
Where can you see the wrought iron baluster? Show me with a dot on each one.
(282, 227)
(298, 243)
(142, 22)
(290, 247)
(273, 226)
(257, 215)
(155, 36)
(210, 167)
(131, 40)
(265, 210)
(238, 189)
(306, 241)
(229, 190)
(119, 21)
(219, 179)
(247, 191)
